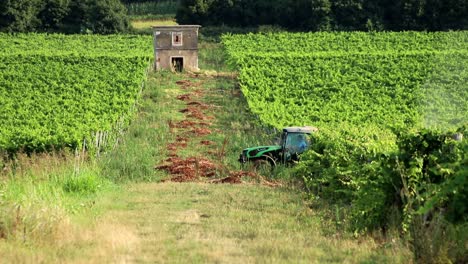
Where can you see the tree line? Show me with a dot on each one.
(67, 16)
(329, 15)
(147, 1)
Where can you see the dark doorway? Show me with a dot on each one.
(177, 64)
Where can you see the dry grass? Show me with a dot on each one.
(39, 165)
(109, 242)
(147, 24)
(38, 215)
(104, 242)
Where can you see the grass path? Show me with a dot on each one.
(200, 222)
(205, 223)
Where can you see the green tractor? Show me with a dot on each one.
(294, 141)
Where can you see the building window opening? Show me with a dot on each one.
(176, 38)
(177, 64)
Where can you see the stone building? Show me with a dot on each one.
(176, 47)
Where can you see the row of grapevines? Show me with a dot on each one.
(384, 88)
(54, 100)
(345, 43)
(76, 45)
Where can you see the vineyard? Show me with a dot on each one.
(388, 107)
(60, 91)
(384, 79)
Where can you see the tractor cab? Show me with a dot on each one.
(294, 141)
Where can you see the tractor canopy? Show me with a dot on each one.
(304, 129)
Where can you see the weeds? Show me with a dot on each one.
(30, 211)
(84, 184)
(438, 241)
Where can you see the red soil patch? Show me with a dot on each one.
(200, 131)
(200, 116)
(189, 110)
(199, 105)
(204, 124)
(177, 145)
(195, 113)
(229, 179)
(198, 92)
(189, 169)
(235, 177)
(206, 142)
(185, 124)
(184, 83)
(181, 139)
(184, 97)
(171, 147)
(188, 83)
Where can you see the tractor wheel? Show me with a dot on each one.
(263, 166)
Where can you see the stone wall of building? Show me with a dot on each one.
(174, 44)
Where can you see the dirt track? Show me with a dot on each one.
(197, 124)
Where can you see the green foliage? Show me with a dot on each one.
(107, 17)
(214, 33)
(343, 166)
(343, 43)
(383, 79)
(53, 13)
(444, 93)
(121, 46)
(328, 15)
(433, 169)
(35, 206)
(68, 16)
(430, 175)
(57, 96)
(19, 15)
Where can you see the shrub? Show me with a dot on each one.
(424, 179)
(107, 17)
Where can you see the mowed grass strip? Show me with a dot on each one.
(206, 223)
